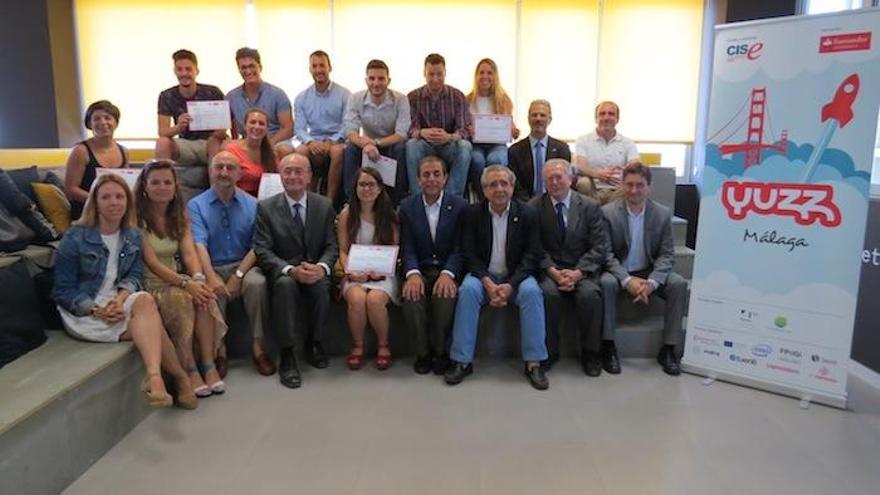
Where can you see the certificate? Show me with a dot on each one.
(129, 175)
(270, 185)
(492, 128)
(372, 258)
(208, 115)
(387, 168)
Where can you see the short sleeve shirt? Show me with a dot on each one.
(601, 154)
(172, 103)
(271, 99)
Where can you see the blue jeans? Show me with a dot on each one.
(483, 155)
(351, 164)
(472, 296)
(456, 154)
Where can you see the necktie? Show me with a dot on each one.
(299, 229)
(560, 219)
(539, 168)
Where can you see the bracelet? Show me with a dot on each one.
(184, 280)
(199, 277)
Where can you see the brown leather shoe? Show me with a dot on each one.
(264, 364)
(222, 365)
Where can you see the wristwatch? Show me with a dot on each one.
(239, 274)
(376, 142)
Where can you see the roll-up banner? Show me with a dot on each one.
(792, 129)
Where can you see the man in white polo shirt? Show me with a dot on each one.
(601, 155)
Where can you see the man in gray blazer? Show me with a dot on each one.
(295, 243)
(640, 260)
(574, 240)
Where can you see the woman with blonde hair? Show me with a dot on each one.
(97, 287)
(186, 304)
(488, 97)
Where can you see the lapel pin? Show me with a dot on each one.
(449, 207)
(515, 219)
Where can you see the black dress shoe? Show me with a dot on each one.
(287, 371)
(536, 377)
(669, 361)
(423, 364)
(316, 356)
(551, 360)
(610, 361)
(439, 364)
(457, 372)
(591, 363)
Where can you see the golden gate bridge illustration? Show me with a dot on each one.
(754, 142)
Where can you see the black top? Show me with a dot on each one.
(172, 103)
(89, 176)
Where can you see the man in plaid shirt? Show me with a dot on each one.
(441, 125)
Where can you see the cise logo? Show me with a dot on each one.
(806, 203)
(736, 358)
(761, 350)
(744, 51)
(821, 359)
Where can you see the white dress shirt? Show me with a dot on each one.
(498, 259)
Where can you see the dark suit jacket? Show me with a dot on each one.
(519, 159)
(659, 246)
(585, 236)
(275, 245)
(418, 251)
(522, 247)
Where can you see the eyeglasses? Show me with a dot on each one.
(367, 185)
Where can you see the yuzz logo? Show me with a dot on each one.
(750, 51)
(807, 203)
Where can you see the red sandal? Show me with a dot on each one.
(355, 361)
(383, 361)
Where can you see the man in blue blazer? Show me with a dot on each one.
(429, 239)
(501, 248)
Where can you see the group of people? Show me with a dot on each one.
(151, 267)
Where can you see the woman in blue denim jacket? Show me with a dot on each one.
(98, 269)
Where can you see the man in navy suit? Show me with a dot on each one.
(502, 248)
(429, 240)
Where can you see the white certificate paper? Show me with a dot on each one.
(492, 128)
(129, 175)
(372, 258)
(208, 115)
(270, 185)
(387, 168)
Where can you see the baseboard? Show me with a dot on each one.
(864, 373)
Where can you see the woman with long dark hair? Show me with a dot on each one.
(254, 151)
(186, 304)
(369, 219)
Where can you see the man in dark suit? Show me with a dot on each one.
(574, 241)
(640, 260)
(501, 248)
(527, 156)
(430, 239)
(295, 243)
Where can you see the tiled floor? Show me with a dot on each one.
(368, 432)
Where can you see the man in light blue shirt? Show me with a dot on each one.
(319, 111)
(383, 115)
(257, 93)
(223, 219)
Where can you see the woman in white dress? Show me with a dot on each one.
(369, 219)
(98, 269)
